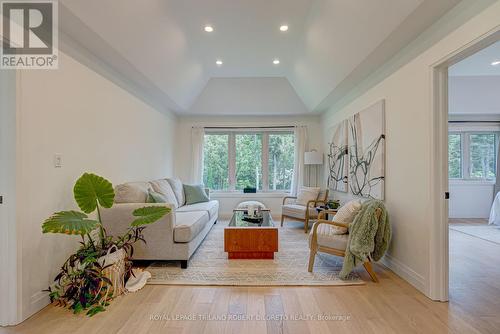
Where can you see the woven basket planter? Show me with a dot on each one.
(115, 271)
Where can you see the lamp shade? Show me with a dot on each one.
(313, 158)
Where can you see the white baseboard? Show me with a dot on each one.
(405, 272)
(37, 302)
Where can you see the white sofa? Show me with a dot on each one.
(177, 235)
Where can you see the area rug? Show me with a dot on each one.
(485, 232)
(210, 266)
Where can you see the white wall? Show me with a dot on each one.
(470, 199)
(96, 126)
(408, 158)
(474, 95)
(8, 230)
(229, 201)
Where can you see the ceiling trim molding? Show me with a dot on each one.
(350, 88)
(77, 40)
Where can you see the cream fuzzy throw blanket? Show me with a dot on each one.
(367, 237)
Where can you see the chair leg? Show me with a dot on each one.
(306, 225)
(282, 218)
(369, 269)
(312, 257)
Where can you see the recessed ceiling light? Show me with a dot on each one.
(276, 62)
(209, 28)
(218, 62)
(284, 28)
(495, 63)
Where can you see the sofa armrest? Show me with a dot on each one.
(117, 219)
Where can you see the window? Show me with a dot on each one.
(281, 161)
(472, 155)
(215, 161)
(482, 155)
(234, 160)
(248, 160)
(455, 156)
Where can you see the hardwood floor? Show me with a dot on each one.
(468, 221)
(391, 306)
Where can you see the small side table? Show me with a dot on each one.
(323, 208)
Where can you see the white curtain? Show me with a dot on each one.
(197, 140)
(495, 206)
(497, 183)
(298, 168)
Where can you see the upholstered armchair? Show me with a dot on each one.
(322, 239)
(291, 209)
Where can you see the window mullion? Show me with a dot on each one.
(232, 161)
(466, 153)
(265, 161)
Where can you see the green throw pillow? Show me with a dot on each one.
(154, 197)
(195, 194)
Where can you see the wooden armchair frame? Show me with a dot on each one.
(310, 204)
(338, 252)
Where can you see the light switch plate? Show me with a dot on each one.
(57, 160)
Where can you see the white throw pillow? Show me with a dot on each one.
(178, 189)
(346, 215)
(307, 194)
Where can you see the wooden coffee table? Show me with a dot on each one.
(245, 240)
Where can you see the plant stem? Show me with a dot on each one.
(91, 241)
(101, 229)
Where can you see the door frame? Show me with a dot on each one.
(439, 243)
(9, 256)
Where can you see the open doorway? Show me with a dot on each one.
(451, 164)
(474, 172)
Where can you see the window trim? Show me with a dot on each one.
(231, 133)
(466, 154)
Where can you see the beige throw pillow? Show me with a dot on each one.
(307, 194)
(132, 192)
(346, 215)
(163, 187)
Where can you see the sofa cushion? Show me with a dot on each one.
(328, 237)
(163, 187)
(178, 190)
(212, 207)
(189, 224)
(298, 211)
(132, 192)
(195, 194)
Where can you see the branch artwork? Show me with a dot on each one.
(338, 158)
(367, 152)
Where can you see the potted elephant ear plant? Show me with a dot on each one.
(96, 273)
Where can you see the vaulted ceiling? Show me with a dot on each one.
(162, 45)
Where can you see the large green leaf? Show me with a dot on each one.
(90, 189)
(149, 215)
(69, 222)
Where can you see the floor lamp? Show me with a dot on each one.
(313, 158)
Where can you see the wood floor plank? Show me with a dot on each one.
(275, 312)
